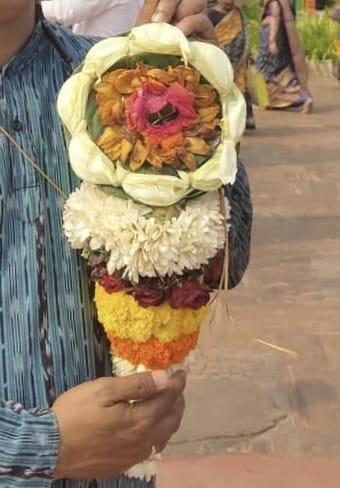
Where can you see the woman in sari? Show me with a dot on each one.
(281, 58)
(231, 33)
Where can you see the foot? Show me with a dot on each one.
(307, 106)
(250, 122)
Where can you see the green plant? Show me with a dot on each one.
(253, 13)
(317, 34)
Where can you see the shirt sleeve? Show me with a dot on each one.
(70, 12)
(29, 444)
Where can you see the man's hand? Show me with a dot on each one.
(103, 433)
(189, 15)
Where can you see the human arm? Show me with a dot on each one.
(29, 444)
(70, 12)
(273, 21)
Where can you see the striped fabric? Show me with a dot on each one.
(48, 339)
(48, 342)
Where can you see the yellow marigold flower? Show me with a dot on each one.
(166, 333)
(122, 317)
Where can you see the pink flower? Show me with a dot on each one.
(158, 111)
(190, 295)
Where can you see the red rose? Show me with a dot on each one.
(214, 270)
(111, 284)
(148, 297)
(153, 97)
(190, 295)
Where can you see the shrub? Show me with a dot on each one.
(317, 32)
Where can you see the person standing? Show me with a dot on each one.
(104, 18)
(281, 59)
(231, 33)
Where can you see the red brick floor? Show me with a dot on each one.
(248, 472)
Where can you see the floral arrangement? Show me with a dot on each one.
(153, 120)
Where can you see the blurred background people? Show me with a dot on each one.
(231, 32)
(105, 18)
(281, 59)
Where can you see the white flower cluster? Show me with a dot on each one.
(144, 241)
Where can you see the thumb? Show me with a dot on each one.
(140, 386)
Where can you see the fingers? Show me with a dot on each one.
(198, 25)
(187, 8)
(169, 10)
(163, 403)
(165, 11)
(147, 12)
(141, 386)
(169, 426)
(188, 15)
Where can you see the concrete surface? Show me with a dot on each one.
(247, 398)
(249, 472)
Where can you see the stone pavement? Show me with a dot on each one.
(247, 398)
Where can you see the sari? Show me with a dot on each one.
(285, 73)
(231, 33)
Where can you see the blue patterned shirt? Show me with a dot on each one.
(49, 341)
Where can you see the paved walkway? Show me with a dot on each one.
(249, 472)
(250, 399)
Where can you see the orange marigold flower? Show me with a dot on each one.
(205, 96)
(208, 114)
(189, 160)
(138, 156)
(165, 77)
(154, 354)
(187, 77)
(116, 143)
(124, 81)
(111, 111)
(105, 90)
(196, 145)
(172, 141)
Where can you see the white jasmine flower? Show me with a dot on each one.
(143, 241)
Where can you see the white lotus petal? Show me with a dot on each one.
(154, 190)
(104, 54)
(89, 163)
(72, 100)
(219, 170)
(159, 38)
(214, 65)
(234, 115)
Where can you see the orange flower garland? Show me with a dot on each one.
(154, 354)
